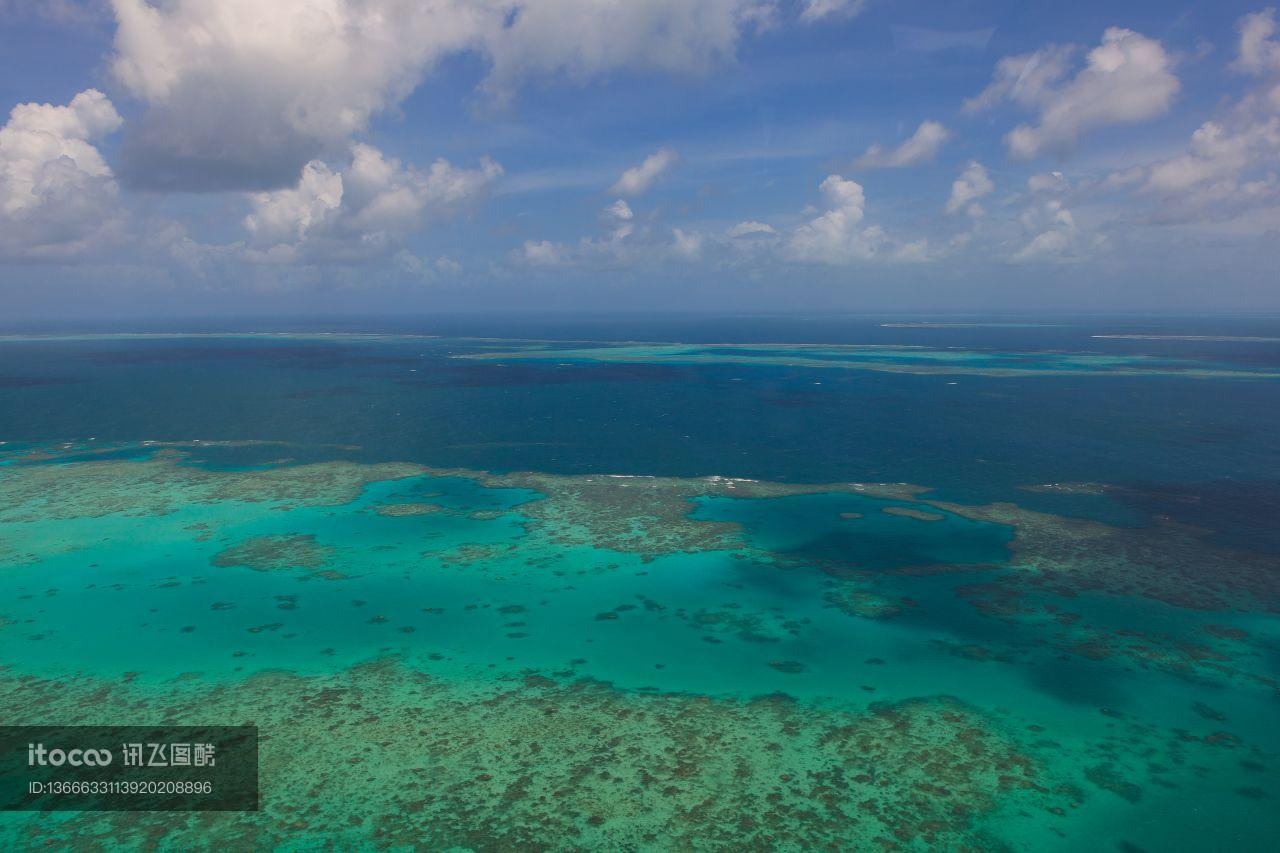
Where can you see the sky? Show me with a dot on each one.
(238, 157)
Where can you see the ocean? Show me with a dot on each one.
(660, 583)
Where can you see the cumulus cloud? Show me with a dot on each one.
(639, 179)
(1050, 244)
(836, 236)
(1128, 78)
(921, 146)
(241, 94)
(1214, 153)
(288, 215)
(817, 10)
(839, 236)
(1228, 166)
(972, 185)
(1054, 232)
(1260, 56)
(541, 253)
(365, 208)
(57, 194)
(614, 246)
(1226, 171)
(1259, 51)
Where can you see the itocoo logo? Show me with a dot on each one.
(38, 755)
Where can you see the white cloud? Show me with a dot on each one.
(1215, 153)
(639, 179)
(1128, 78)
(817, 10)
(242, 93)
(921, 146)
(1259, 51)
(834, 237)
(615, 246)
(686, 244)
(1055, 235)
(1026, 80)
(57, 194)
(542, 253)
(1052, 243)
(620, 210)
(1228, 166)
(916, 251)
(364, 209)
(1054, 182)
(972, 185)
(1227, 171)
(285, 216)
(1260, 55)
(751, 228)
(618, 218)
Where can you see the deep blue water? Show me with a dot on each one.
(1201, 450)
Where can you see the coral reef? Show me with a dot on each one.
(1166, 561)
(161, 485)
(880, 358)
(380, 756)
(275, 553)
(595, 662)
(649, 515)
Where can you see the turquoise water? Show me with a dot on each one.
(882, 358)
(1077, 667)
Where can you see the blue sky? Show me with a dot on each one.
(312, 156)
